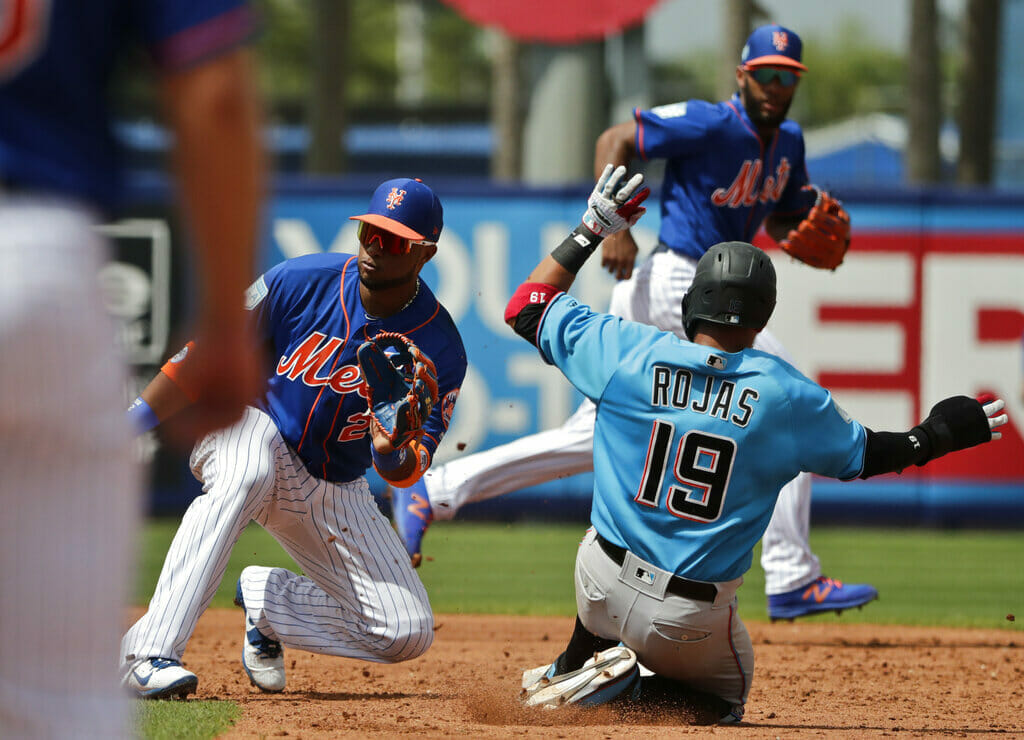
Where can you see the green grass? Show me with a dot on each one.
(188, 720)
(924, 577)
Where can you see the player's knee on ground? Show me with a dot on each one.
(405, 636)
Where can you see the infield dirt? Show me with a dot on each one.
(820, 679)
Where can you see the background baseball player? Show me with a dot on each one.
(692, 442)
(728, 167)
(295, 462)
(70, 493)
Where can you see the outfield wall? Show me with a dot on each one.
(930, 302)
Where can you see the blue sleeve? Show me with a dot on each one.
(829, 441)
(671, 130)
(586, 346)
(262, 299)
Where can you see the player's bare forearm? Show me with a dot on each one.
(165, 397)
(405, 473)
(215, 113)
(616, 146)
(618, 255)
(552, 273)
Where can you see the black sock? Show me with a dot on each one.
(582, 646)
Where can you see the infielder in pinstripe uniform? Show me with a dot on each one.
(296, 461)
(729, 167)
(69, 490)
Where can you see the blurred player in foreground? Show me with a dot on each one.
(693, 441)
(296, 461)
(728, 167)
(70, 493)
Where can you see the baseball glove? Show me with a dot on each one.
(400, 383)
(821, 239)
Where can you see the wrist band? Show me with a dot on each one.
(574, 251)
(141, 416)
(390, 461)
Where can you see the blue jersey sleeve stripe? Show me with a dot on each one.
(216, 35)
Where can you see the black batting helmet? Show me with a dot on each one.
(734, 285)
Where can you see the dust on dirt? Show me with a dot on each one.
(811, 679)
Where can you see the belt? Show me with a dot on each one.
(677, 585)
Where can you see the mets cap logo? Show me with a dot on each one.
(780, 40)
(395, 198)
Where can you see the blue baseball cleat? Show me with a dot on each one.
(411, 512)
(821, 595)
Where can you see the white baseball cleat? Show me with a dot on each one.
(609, 674)
(160, 678)
(262, 658)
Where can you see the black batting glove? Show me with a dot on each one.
(955, 423)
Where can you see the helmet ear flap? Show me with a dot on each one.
(685, 309)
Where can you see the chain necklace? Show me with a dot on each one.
(414, 294)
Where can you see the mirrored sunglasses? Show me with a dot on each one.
(764, 76)
(389, 243)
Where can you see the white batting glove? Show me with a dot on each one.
(995, 421)
(614, 206)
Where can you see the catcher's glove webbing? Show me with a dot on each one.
(821, 239)
(400, 384)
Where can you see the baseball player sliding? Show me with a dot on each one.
(692, 443)
(729, 167)
(368, 367)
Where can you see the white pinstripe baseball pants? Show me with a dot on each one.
(360, 598)
(69, 490)
(653, 295)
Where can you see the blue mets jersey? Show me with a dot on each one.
(56, 60)
(691, 444)
(309, 310)
(721, 180)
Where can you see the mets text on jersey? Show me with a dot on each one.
(307, 361)
(744, 191)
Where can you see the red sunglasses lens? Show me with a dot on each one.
(388, 242)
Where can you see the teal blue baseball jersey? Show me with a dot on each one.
(692, 444)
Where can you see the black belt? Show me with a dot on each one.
(676, 585)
